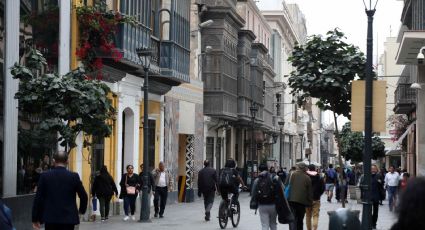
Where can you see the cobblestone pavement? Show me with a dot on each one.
(191, 216)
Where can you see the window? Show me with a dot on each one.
(248, 20)
(278, 103)
(209, 151)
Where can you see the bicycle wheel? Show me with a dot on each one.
(222, 215)
(236, 214)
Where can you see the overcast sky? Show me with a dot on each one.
(349, 16)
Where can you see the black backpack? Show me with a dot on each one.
(265, 191)
(227, 178)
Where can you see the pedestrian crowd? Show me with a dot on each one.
(279, 196)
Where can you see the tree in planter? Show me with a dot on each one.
(66, 105)
(352, 145)
(324, 69)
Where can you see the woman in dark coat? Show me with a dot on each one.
(104, 188)
(130, 187)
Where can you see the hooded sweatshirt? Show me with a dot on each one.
(317, 183)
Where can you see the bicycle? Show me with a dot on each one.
(229, 209)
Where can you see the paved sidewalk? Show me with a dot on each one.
(191, 216)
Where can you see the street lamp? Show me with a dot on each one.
(366, 186)
(145, 54)
(281, 126)
(253, 109)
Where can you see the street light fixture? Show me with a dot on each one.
(367, 154)
(253, 109)
(145, 54)
(281, 126)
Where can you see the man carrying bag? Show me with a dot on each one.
(267, 196)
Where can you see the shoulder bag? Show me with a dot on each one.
(131, 190)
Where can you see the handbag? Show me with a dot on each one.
(288, 188)
(131, 190)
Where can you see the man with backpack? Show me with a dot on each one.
(229, 181)
(330, 180)
(312, 212)
(263, 196)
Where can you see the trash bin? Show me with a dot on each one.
(344, 219)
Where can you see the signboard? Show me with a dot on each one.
(379, 111)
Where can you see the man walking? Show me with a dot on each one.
(301, 194)
(376, 192)
(263, 193)
(207, 185)
(392, 179)
(54, 203)
(330, 180)
(163, 184)
(318, 185)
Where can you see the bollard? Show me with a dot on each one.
(344, 219)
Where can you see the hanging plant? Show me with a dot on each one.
(98, 27)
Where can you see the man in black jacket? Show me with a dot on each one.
(318, 186)
(54, 203)
(207, 184)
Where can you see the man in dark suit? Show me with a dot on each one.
(207, 183)
(55, 200)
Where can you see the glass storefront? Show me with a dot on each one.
(40, 30)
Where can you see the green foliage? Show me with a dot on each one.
(324, 69)
(65, 105)
(352, 144)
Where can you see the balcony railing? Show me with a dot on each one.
(404, 98)
(168, 59)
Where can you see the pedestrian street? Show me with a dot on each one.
(183, 216)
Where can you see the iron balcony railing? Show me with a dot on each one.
(404, 98)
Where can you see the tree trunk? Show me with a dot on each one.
(341, 165)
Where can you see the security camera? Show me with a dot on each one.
(420, 57)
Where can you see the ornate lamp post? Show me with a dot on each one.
(281, 126)
(253, 109)
(367, 207)
(145, 56)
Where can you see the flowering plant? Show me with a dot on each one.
(98, 27)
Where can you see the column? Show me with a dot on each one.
(420, 124)
(10, 87)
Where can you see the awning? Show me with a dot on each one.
(396, 152)
(400, 140)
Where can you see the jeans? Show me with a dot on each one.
(375, 211)
(161, 194)
(392, 192)
(130, 203)
(104, 206)
(208, 200)
(313, 213)
(59, 226)
(299, 211)
(268, 216)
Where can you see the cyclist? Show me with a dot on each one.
(229, 181)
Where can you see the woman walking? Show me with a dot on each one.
(129, 190)
(104, 188)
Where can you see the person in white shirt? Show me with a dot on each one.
(392, 179)
(163, 184)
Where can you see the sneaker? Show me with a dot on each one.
(102, 220)
(207, 216)
(126, 218)
(161, 216)
(155, 215)
(133, 217)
